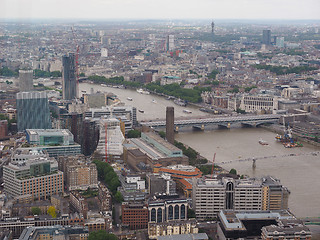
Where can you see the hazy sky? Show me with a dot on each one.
(161, 9)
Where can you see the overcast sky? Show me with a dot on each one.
(161, 9)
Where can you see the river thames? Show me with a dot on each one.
(297, 168)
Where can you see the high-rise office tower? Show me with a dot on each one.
(266, 37)
(170, 125)
(69, 83)
(33, 111)
(170, 43)
(280, 42)
(25, 80)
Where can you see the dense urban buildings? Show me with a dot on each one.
(76, 148)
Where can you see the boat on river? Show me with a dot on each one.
(141, 91)
(180, 102)
(262, 142)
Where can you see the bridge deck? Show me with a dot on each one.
(205, 121)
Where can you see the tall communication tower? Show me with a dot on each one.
(212, 30)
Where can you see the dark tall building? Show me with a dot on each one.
(33, 111)
(3, 129)
(170, 125)
(69, 84)
(266, 37)
(85, 131)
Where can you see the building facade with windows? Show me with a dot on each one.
(33, 111)
(49, 136)
(69, 82)
(38, 177)
(167, 210)
(172, 228)
(135, 215)
(261, 103)
(209, 196)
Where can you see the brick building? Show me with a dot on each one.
(135, 215)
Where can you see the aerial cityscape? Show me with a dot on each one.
(137, 125)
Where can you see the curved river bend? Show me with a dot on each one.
(297, 168)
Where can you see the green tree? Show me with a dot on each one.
(52, 211)
(5, 71)
(101, 235)
(133, 134)
(35, 211)
(162, 134)
(55, 74)
(233, 171)
(107, 174)
(234, 90)
(82, 74)
(118, 197)
(191, 213)
(213, 74)
(248, 89)
(239, 110)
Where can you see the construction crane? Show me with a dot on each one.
(214, 158)
(77, 60)
(106, 141)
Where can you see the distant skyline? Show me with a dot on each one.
(160, 9)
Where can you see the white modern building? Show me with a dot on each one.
(259, 103)
(209, 196)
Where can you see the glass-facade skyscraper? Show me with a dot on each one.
(69, 83)
(33, 111)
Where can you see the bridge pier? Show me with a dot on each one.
(247, 125)
(224, 126)
(197, 127)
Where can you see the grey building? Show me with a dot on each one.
(161, 184)
(54, 232)
(33, 111)
(266, 37)
(127, 114)
(69, 83)
(25, 80)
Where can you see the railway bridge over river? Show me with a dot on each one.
(224, 122)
